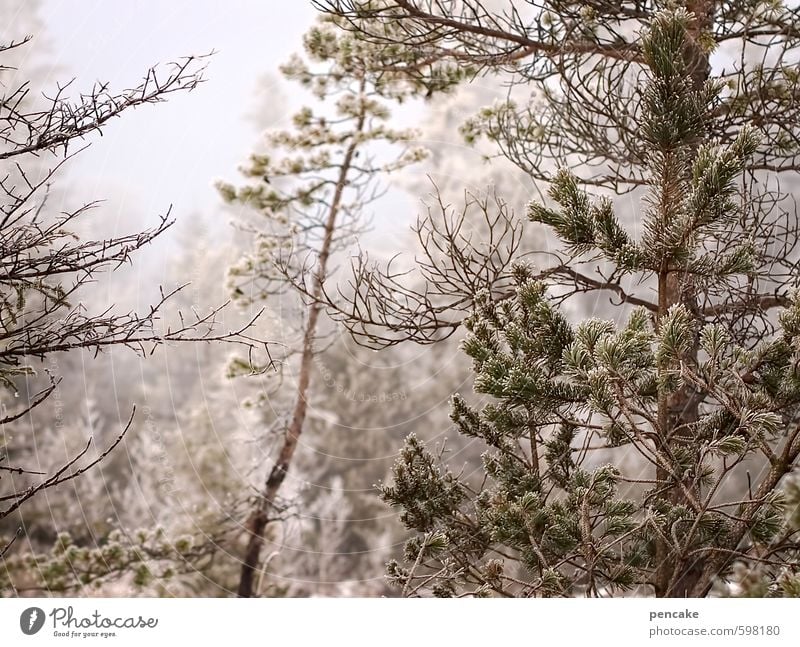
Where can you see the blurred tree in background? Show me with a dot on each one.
(314, 200)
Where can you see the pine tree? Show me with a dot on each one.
(568, 96)
(700, 382)
(312, 203)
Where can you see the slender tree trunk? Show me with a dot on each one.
(676, 575)
(260, 516)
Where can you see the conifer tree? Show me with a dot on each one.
(575, 101)
(313, 198)
(700, 381)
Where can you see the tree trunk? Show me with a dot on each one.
(675, 575)
(260, 516)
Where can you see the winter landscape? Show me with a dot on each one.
(400, 298)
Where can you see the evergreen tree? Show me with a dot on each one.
(574, 71)
(313, 201)
(701, 381)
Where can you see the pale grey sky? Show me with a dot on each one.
(171, 152)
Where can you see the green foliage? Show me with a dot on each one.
(585, 227)
(417, 479)
(147, 560)
(545, 516)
